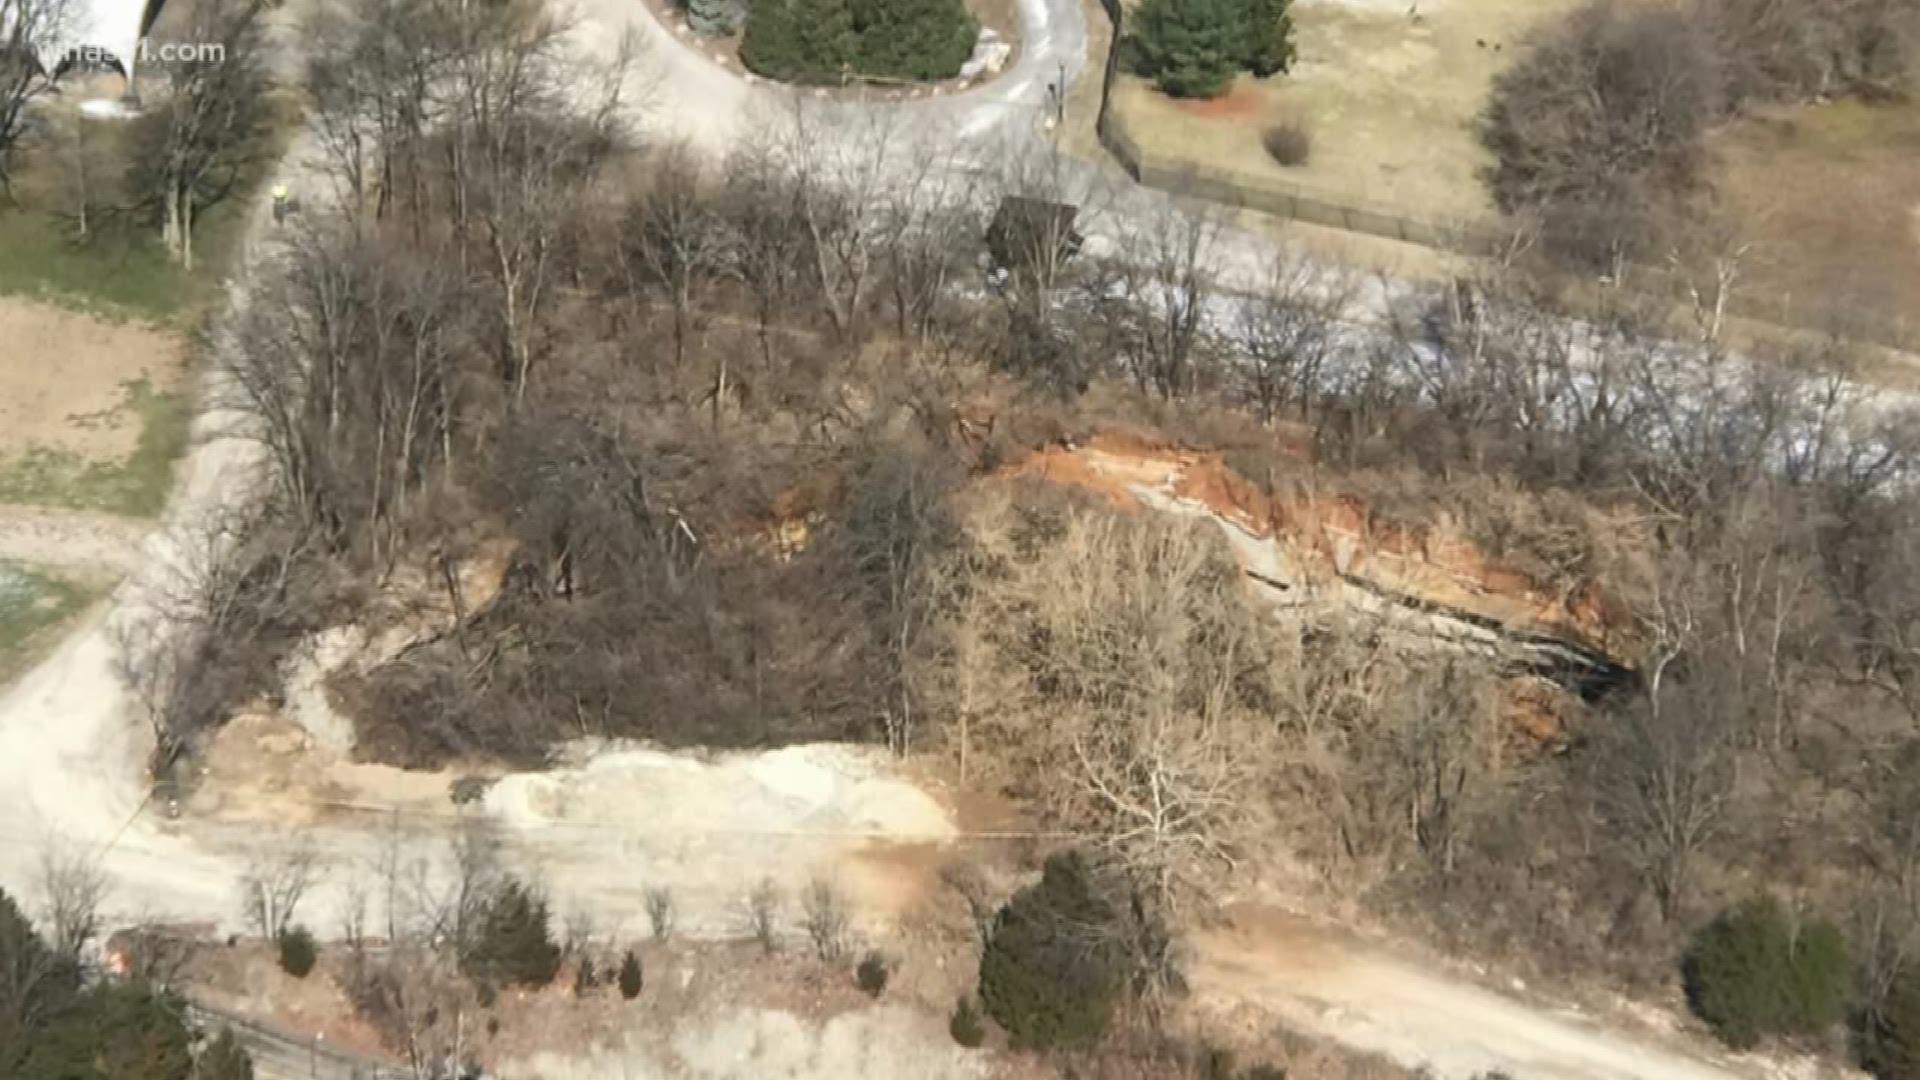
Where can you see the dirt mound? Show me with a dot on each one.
(1331, 543)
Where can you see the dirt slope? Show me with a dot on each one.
(1353, 993)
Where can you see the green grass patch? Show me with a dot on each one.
(136, 485)
(33, 604)
(117, 273)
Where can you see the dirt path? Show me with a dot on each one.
(1332, 986)
(71, 539)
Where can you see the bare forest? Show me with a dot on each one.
(741, 427)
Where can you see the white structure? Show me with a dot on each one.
(109, 30)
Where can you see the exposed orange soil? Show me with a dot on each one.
(1241, 100)
(1330, 535)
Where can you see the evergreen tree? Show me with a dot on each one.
(1269, 37)
(1755, 971)
(1049, 975)
(802, 41)
(515, 944)
(224, 1059)
(1190, 48)
(717, 18)
(52, 1027)
(1889, 1035)
(913, 39)
(630, 976)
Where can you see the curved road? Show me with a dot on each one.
(691, 95)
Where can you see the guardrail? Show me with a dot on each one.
(279, 1054)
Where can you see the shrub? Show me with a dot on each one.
(1049, 975)
(1191, 48)
(297, 951)
(1269, 40)
(1288, 142)
(802, 41)
(716, 17)
(1887, 1037)
(515, 944)
(631, 977)
(223, 1059)
(912, 39)
(823, 41)
(965, 1026)
(1601, 122)
(872, 974)
(1752, 972)
(584, 977)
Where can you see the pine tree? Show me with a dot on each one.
(630, 976)
(802, 41)
(913, 39)
(717, 18)
(1190, 48)
(224, 1059)
(515, 944)
(1039, 976)
(1269, 37)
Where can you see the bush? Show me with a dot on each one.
(297, 951)
(584, 977)
(1754, 972)
(223, 1059)
(1888, 1036)
(1288, 142)
(1601, 123)
(872, 974)
(1049, 975)
(912, 39)
(716, 17)
(515, 944)
(630, 976)
(1191, 48)
(825, 41)
(965, 1026)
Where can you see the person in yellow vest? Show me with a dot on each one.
(280, 198)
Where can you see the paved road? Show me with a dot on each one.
(691, 95)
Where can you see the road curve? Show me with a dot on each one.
(692, 96)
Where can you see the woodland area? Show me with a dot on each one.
(734, 422)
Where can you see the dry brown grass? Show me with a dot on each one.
(1830, 197)
(1391, 99)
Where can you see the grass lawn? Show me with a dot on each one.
(135, 485)
(1829, 196)
(120, 275)
(34, 604)
(1390, 90)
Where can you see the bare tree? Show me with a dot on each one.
(1160, 303)
(72, 887)
(203, 130)
(660, 912)
(675, 236)
(275, 882)
(1288, 331)
(824, 915)
(29, 32)
(762, 914)
(1093, 625)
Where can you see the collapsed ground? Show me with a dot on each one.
(741, 458)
